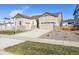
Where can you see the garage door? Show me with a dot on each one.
(47, 25)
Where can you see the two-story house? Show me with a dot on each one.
(76, 17)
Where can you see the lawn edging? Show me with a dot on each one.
(57, 42)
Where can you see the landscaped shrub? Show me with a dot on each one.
(9, 32)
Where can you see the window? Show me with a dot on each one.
(47, 22)
(27, 23)
(69, 23)
(19, 22)
(78, 12)
(77, 22)
(78, 17)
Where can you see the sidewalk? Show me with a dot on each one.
(57, 42)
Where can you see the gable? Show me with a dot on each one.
(21, 16)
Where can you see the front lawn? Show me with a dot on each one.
(36, 48)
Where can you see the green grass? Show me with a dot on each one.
(35, 48)
(9, 32)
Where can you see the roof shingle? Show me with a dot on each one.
(37, 16)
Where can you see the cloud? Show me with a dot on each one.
(25, 7)
(14, 12)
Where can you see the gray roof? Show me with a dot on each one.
(37, 16)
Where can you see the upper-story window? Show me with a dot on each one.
(78, 12)
(78, 17)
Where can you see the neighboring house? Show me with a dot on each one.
(72, 24)
(76, 15)
(68, 24)
(7, 24)
(2, 27)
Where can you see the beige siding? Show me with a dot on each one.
(26, 24)
(49, 19)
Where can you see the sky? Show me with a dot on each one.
(9, 10)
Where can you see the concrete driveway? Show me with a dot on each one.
(30, 34)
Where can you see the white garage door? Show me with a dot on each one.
(47, 25)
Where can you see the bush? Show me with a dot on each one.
(9, 32)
